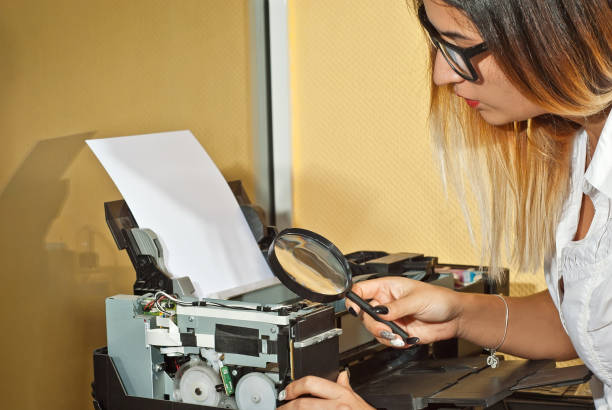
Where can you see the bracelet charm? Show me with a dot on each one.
(493, 360)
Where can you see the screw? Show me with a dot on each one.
(191, 318)
(273, 330)
(255, 398)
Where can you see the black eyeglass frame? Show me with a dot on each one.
(466, 53)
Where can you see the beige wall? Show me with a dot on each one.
(364, 173)
(71, 70)
(74, 69)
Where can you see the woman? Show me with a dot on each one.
(521, 108)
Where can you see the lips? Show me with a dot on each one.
(472, 103)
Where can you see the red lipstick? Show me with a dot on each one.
(472, 103)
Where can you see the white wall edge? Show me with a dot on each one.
(281, 111)
(259, 106)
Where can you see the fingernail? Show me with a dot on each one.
(385, 334)
(281, 395)
(398, 342)
(413, 340)
(381, 310)
(352, 311)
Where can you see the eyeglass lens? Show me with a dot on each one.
(454, 59)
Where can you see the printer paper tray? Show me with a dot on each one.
(465, 381)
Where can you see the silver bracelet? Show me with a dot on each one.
(493, 360)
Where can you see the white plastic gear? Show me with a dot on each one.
(196, 382)
(256, 391)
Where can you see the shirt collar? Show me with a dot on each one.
(599, 173)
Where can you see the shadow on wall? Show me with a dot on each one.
(55, 303)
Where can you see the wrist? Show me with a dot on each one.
(463, 302)
(483, 320)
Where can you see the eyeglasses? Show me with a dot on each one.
(457, 57)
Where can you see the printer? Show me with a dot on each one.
(167, 349)
(166, 346)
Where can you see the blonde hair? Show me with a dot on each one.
(558, 54)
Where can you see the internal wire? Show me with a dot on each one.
(183, 303)
(161, 309)
(170, 297)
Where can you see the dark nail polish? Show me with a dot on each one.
(381, 310)
(412, 340)
(348, 372)
(352, 311)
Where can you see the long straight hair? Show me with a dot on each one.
(558, 54)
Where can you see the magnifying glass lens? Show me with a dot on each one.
(311, 264)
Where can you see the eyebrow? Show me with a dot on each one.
(453, 35)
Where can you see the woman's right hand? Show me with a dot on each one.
(426, 311)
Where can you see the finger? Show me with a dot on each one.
(415, 304)
(407, 306)
(386, 336)
(352, 306)
(314, 386)
(366, 290)
(374, 326)
(308, 403)
(382, 290)
(343, 379)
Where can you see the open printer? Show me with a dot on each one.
(167, 349)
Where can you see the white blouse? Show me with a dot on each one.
(584, 300)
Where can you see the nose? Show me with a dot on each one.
(443, 73)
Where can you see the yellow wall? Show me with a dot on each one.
(73, 69)
(364, 172)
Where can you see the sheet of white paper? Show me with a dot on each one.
(173, 188)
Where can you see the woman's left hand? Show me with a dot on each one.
(328, 395)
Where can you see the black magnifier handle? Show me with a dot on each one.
(366, 307)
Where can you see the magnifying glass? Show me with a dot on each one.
(315, 269)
